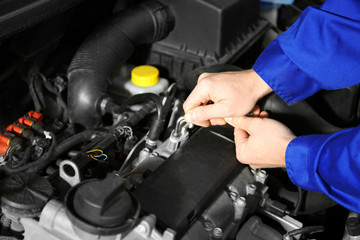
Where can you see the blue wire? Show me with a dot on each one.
(101, 155)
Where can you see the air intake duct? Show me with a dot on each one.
(106, 48)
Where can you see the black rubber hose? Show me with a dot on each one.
(27, 154)
(24, 159)
(71, 142)
(52, 153)
(36, 165)
(139, 98)
(104, 50)
(157, 125)
(33, 93)
(168, 100)
(140, 115)
(305, 230)
(62, 148)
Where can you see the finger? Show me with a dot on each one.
(264, 114)
(256, 111)
(206, 112)
(256, 166)
(217, 121)
(263, 165)
(203, 123)
(199, 95)
(245, 123)
(204, 75)
(240, 136)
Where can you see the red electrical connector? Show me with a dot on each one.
(38, 117)
(25, 122)
(32, 119)
(4, 139)
(3, 149)
(21, 128)
(18, 130)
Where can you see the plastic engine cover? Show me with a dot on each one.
(181, 189)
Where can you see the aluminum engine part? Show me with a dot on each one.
(54, 224)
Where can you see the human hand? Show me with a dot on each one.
(260, 142)
(233, 94)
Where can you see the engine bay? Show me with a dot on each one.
(93, 141)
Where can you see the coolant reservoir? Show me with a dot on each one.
(145, 79)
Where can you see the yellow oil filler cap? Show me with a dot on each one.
(145, 76)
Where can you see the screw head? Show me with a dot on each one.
(141, 228)
(217, 232)
(208, 226)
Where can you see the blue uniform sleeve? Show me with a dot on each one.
(320, 50)
(329, 164)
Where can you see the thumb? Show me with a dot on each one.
(240, 136)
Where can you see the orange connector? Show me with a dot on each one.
(34, 115)
(4, 139)
(25, 122)
(17, 129)
(32, 119)
(3, 149)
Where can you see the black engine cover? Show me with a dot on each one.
(181, 189)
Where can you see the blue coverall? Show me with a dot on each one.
(320, 51)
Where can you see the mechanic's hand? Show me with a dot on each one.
(260, 142)
(232, 94)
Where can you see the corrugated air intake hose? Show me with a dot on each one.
(105, 49)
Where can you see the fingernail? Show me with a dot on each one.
(228, 119)
(188, 117)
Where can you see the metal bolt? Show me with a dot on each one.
(141, 228)
(208, 226)
(241, 201)
(287, 237)
(262, 173)
(250, 189)
(233, 195)
(217, 232)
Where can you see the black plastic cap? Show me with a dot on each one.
(104, 203)
(25, 191)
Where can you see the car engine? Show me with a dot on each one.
(93, 142)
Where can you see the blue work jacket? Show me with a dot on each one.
(321, 50)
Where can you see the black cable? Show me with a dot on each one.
(39, 89)
(157, 125)
(169, 98)
(62, 104)
(299, 201)
(60, 149)
(304, 230)
(134, 119)
(36, 165)
(139, 98)
(33, 93)
(52, 153)
(24, 159)
(71, 142)
(59, 99)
